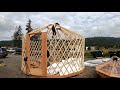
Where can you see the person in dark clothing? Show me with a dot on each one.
(48, 54)
(115, 58)
(54, 29)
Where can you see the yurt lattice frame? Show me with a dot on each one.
(66, 53)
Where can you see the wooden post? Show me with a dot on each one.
(23, 48)
(44, 54)
(28, 52)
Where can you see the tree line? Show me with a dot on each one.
(103, 42)
(100, 42)
(16, 37)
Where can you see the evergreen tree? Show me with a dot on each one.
(17, 37)
(18, 33)
(29, 28)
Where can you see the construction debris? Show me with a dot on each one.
(2, 64)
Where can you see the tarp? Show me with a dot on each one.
(93, 63)
(65, 67)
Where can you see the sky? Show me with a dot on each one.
(87, 24)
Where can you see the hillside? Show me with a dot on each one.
(10, 43)
(106, 42)
(6, 43)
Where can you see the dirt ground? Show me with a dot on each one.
(12, 68)
(12, 65)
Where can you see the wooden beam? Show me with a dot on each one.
(39, 29)
(35, 34)
(44, 54)
(28, 53)
(62, 76)
(23, 47)
(71, 31)
(66, 33)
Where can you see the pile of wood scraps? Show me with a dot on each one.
(2, 64)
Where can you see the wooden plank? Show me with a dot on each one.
(35, 72)
(98, 67)
(44, 54)
(102, 75)
(39, 29)
(35, 34)
(23, 52)
(68, 30)
(62, 76)
(28, 52)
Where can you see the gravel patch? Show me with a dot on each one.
(12, 68)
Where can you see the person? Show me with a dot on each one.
(48, 54)
(115, 58)
(54, 28)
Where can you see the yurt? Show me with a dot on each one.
(52, 51)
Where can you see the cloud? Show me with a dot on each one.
(6, 28)
(88, 24)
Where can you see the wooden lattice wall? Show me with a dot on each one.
(65, 49)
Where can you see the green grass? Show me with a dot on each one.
(105, 53)
(89, 55)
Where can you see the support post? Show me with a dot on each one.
(28, 53)
(44, 54)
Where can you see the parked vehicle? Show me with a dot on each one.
(11, 50)
(97, 53)
(18, 51)
(3, 52)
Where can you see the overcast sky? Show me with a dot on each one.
(88, 24)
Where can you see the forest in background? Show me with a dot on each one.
(99, 42)
(103, 42)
